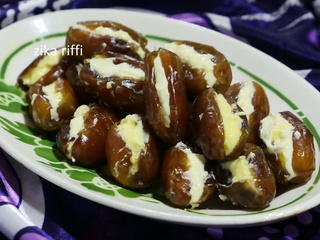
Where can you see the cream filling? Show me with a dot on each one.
(132, 133)
(162, 90)
(76, 126)
(54, 97)
(232, 124)
(105, 67)
(196, 174)
(106, 31)
(245, 98)
(42, 68)
(276, 132)
(191, 57)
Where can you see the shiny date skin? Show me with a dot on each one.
(98, 43)
(195, 76)
(123, 93)
(87, 149)
(47, 115)
(209, 127)
(176, 182)
(170, 126)
(260, 104)
(303, 155)
(257, 194)
(128, 168)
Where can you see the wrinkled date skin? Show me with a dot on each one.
(209, 127)
(195, 77)
(47, 117)
(88, 149)
(256, 195)
(175, 130)
(261, 108)
(94, 43)
(176, 184)
(119, 155)
(85, 94)
(56, 71)
(303, 156)
(123, 93)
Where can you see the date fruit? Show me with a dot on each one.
(289, 147)
(166, 96)
(82, 140)
(204, 66)
(186, 177)
(220, 125)
(132, 152)
(118, 79)
(248, 180)
(253, 100)
(51, 105)
(106, 36)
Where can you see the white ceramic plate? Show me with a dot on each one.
(285, 89)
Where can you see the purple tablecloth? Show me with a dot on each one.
(286, 29)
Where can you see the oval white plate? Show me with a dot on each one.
(285, 89)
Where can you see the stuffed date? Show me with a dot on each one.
(118, 80)
(253, 100)
(248, 180)
(289, 147)
(165, 96)
(204, 66)
(82, 140)
(51, 105)
(186, 177)
(220, 126)
(132, 152)
(106, 36)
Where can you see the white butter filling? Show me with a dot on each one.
(132, 133)
(197, 175)
(162, 90)
(76, 126)
(245, 97)
(191, 57)
(276, 132)
(42, 68)
(232, 123)
(106, 31)
(240, 169)
(54, 97)
(105, 67)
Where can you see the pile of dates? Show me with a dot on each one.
(171, 114)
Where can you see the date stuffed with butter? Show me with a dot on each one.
(248, 180)
(289, 147)
(82, 140)
(186, 177)
(46, 68)
(132, 152)
(204, 66)
(118, 80)
(253, 100)
(51, 105)
(106, 36)
(166, 96)
(220, 126)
